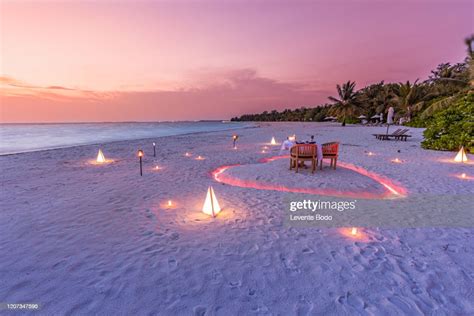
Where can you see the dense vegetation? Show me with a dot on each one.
(443, 104)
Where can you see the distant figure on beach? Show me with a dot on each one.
(311, 141)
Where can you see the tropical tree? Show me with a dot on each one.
(347, 102)
(408, 95)
(376, 98)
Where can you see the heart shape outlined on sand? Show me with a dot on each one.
(392, 190)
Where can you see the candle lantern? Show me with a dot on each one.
(273, 141)
(211, 206)
(100, 157)
(461, 156)
(140, 156)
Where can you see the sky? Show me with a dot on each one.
(93, 61)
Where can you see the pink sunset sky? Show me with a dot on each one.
(70, 61)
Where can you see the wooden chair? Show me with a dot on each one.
(330, 151)
(301, 153)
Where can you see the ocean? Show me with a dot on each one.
(18, 138)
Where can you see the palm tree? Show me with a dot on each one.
(347, 102)
(407, 95)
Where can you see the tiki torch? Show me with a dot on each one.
(234, 138)
(140, 155)
(154, 149)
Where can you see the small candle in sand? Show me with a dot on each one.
(200, 158)
(170, 203)
(370, 153)
(188, 154)
(354, 231)
(396, 160)
(463, 175)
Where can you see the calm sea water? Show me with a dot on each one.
(16, 138)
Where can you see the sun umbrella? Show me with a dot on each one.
(390, 115)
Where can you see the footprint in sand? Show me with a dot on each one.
(174, 236)
(352, 301)
(216, 276)
(436, 290)
(289, 265)
(303, 306)
(172, 263)
(199, 310)
(404, 306)
(235, 284)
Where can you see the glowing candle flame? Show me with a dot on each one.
(273, 142)
(100, 157)
(354, 231)
(200, 158)
(463, 176)
(263, 151)
(461, 156)
(170, 203)
(396, 160)
(157, 168)
(370, 153)
(188, 154)
(211, 205)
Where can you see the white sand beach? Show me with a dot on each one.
(83, 238)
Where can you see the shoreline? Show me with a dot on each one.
(123, 140)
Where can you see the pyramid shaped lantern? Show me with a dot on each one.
(461, 156)
(100, 157)
(211, 206)
(273, 141)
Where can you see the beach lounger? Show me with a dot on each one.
(402, 135)
(384, 136)
(397, 135)
(330, 151)
(301, 153)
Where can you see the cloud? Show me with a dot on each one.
(208, 94)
